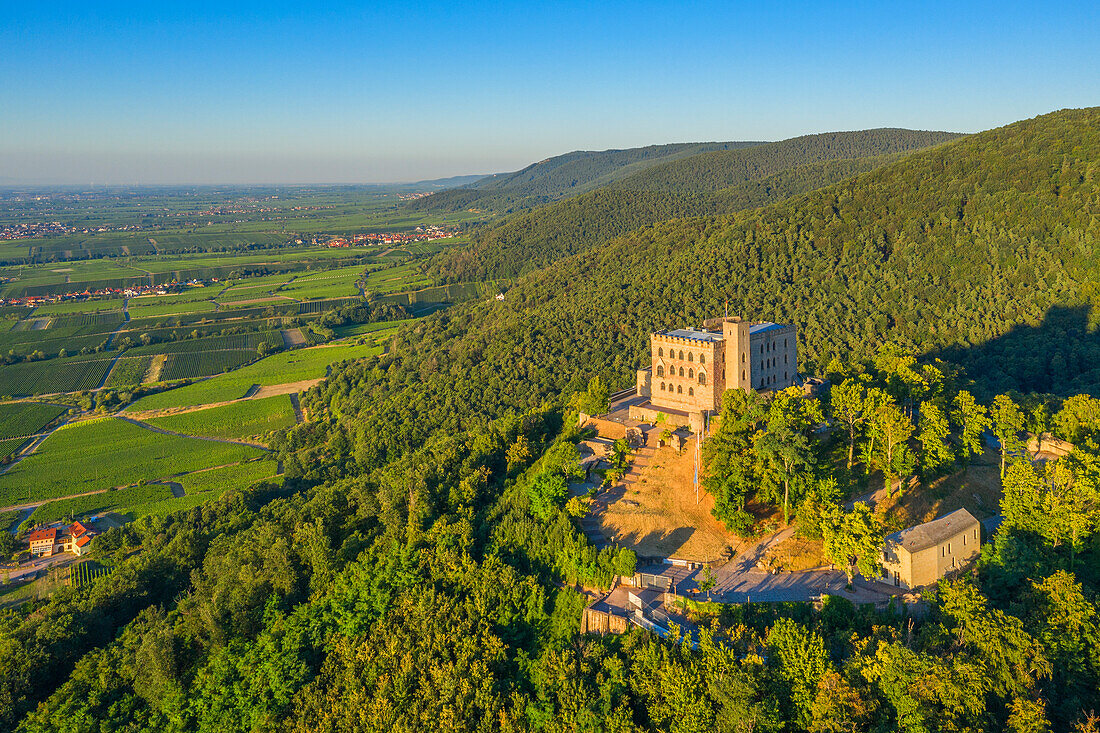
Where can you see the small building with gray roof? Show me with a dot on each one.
(923, 554)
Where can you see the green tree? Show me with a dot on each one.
(547, 491)
(848, 403)
(853, 540)
(1008, 423)
(797, 660)
(891, 428)
(935, 431)
(972, 419)
(707, 580)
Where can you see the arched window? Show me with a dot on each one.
(660, 371)
(681, 371)
(702, 377)
(691, 357)
(691, 373)
(702, 358)
(679, 389)
(761, 365)
(742, 375)
(691, 391)
(660, 351)
(784, 343)
(681, 356)
(662, 386)
(761, 348)
(784, 376)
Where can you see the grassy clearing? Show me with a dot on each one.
(290, 366)
(107, 452)
(236, 420)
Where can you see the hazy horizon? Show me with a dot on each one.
(261, 94)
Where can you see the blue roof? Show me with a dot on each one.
(687, 333)
(762, 327)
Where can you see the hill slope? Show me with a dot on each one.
(706, 184)
(969, 246)
(561, 176)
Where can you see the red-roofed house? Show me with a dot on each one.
(42, 541)
(47, 541)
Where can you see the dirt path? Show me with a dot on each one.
(256, 392)
(156, 366)
(155, 429)
(297, 405)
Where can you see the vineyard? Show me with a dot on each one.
(97, 319)
(28, 418)
(85, 573)
(98, 454)
(9, 446)
(129, 371)
(204, 363)
(55, 375)
(131, 498)
(236, 420)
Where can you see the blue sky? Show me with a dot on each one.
(348, 92)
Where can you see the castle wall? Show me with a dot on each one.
(688, 374)
(773, 358)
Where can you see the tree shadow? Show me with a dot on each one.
(1060, 355)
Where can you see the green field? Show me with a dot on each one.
(129, 371)
(290, 366)
(238, 420)
(27, 418)
(70, 374)
(139, 501)
(108, 452)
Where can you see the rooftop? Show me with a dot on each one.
(762, 327)
(46, 533)
(933, 533)
(693, 334)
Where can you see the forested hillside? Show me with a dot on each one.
(706, 184)
(412, 583)
(561, 176)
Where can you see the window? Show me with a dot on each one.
(679, 389)
(784, 358)
(691, 373)
(785, 376)
(784, 343)
(742, 375)
(761, 365)
(691, 391)
(742, 358)
(681, 356)
(662, 386)
(660, 371)
(943, 552)
(761, 348)
(975, 533)
(691, 357)
(702, 378)
(660, 351)
(681, 371)
(948, 548)
(702, 358)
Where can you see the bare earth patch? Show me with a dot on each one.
(655, 511)
(976, 488)
(795, 554)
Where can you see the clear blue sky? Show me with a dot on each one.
(257, 92)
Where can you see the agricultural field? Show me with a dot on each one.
(109, 452)
(237, 420)
(71, 374)
(10, 445)
(394, 279)
(129, 371)
(27, 418)
(133, 502)
(286, 367)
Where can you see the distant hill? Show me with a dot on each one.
(561, 176)
(706, 184)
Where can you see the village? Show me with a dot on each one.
(656, 506)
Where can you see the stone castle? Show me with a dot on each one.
(691, 367)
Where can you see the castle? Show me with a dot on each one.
(691, 368)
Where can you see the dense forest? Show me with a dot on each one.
(707, 184)
(409, 578)
(561, 176)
